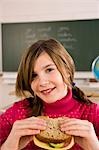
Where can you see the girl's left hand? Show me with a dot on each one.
(83, 131)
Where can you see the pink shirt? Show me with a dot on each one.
(67, 106)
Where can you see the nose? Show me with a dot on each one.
(43, 81)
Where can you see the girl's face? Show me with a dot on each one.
(47, 81)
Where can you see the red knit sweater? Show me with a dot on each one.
(67, 106)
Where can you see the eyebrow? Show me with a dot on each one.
(49, 65)
(46, 66)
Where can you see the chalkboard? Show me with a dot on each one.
(80, 38)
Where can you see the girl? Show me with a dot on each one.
(47, 73)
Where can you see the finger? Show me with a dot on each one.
(73, 121)
(26, 132)
(78, 133)
(33, 124)
(29, 125)
(79, 130)
(75, 127)
(36, 119)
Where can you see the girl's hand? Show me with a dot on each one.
(22, 133)
(83, 131)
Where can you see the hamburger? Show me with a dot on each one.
(52, 137)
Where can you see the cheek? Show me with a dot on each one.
(33, 86)
(58, 79)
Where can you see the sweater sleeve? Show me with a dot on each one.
(94, 117)
(97, 121)
(20, 110)
(5, 127)
(91, 113)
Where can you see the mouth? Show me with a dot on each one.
(47, 91)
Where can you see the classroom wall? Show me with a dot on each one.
(0, 42)
(46, 10)
(41, 10)
(0, 52)
(34, 10)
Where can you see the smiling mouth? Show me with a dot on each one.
(47, 91)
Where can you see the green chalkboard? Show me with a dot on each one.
(80, 38)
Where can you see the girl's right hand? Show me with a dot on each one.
(22, 133)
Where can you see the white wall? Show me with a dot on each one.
(41, 10)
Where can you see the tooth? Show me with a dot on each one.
(47, 91)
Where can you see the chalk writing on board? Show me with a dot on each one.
(30, 36)
(66, 37)
(44, 29)
(44, 32)
(80, 38)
